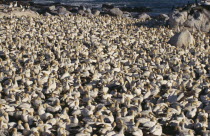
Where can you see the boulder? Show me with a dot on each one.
(88, 10)
(81, 12)
(47, 14)
(195, 18)
(116, 12)
(163, 17)
(205, 27)
(144, 16)
(181, 39)
(127, 15)
(62, 11)
(96, 13)
(177, 18)
(198, 21)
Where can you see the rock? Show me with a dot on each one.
(89, 14)
(60, 10)
(81, 12)
(96, 13)
(177, 18)
(116, 12)
(205, 27)
(198, 21)
(63, 11)
(47, 14)
(181, 39)
(107, 6)
(127, 15)
(163, 17)
(88, 10)
(52, 8)
(144, 16)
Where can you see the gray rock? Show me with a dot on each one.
(144, 16)
(127, 15)
(96, 13)
(88, 10)
(47, 14)
(194, 20)
(116, 12)
(89, 14)
(163, 17)
(181, 39)
(177, 18)
(61, 9)
(205, 27)
(81, 12)
(198, 21)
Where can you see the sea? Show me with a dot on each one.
(157, 6)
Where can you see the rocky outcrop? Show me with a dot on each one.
(144, 16)
(63, 11)
(116, 12)
(163, 17)
(127, 15)
(60, 10)
(196, 18)
(96, 12)
(182, 39)
(177, 18)
(199, 21)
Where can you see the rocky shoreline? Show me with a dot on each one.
(189, 17)
(43, 8)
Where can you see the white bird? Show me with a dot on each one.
(65, 75)
(10, 5)
(156, 130)
(15, 5)
(138, 132)
(151, 123)
(1, 88)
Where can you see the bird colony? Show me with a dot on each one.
(76, 75)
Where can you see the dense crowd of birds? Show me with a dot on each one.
(76, 75)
